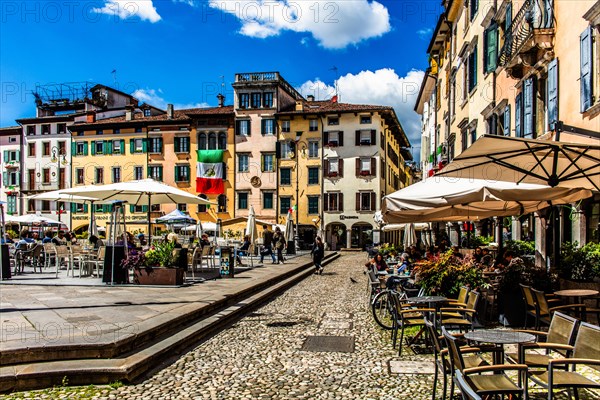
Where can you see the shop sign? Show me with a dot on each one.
(343, 217)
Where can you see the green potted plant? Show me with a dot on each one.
(155, 266)
(579, 267)
(445, 274)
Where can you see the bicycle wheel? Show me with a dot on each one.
(383, 308)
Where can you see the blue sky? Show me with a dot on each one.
(180, 51)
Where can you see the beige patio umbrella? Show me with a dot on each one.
(501, 158)
(455, 199)
(140, 192)
(57, 195)
(251, 231)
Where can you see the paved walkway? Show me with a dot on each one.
(263, 356)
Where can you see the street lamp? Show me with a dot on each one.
(57, 153)
(296, 155)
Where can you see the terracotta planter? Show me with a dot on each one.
(159, 276)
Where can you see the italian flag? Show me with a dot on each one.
(209, 172)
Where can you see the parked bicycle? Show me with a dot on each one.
(382, 305)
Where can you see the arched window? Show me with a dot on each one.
(202, 141)
(222, 201)
(212, 141)
(222, 141)
(202, 207)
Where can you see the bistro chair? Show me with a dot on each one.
(559, 338)
(486, 380)
(466, 391)
(461, 300)
(459, 317)
(405, 316)
(443, 364)
(585, 352)
(530, 304)
(545, 308)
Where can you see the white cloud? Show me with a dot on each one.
(424, 33)
(334, 24)
(381, 87)
(154, 98)
(124, 9)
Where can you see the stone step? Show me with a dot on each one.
(142, 357)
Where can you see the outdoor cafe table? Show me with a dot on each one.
(499, 337)
(577, 294)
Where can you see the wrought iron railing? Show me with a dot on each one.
(534, 14)
(268, 77)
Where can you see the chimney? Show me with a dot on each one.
(129, 113)
(170, 111)
(299, 105)
(90, 116)
(310, 97)
(221, 100)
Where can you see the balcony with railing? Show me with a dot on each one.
(529, 36)
(259, 78)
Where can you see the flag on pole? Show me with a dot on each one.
(209, 172)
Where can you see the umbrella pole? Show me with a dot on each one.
(149, 222)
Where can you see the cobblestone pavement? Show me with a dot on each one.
(261, 356)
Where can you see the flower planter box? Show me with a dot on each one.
(159, 276)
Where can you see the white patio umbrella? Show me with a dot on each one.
(251, 231)
(289, 228)
(410, 236)
(456, 199)
(546, 162)
(36, 219)
(141, 192)
(176, 217)
(58, 195)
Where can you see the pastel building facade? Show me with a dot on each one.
(11, 159)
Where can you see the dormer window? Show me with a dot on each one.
(333, 121)
(147, 112)
(365, 119)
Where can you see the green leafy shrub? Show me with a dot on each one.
(520, 247)
(12, 234)
(480, 241)
(579, 263)
(445, 274)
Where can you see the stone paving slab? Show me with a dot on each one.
(41, 316)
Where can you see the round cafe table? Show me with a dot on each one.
(499, 337)
(576, 294)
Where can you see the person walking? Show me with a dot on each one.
(318, 252)
(279, 244)
(267, 248)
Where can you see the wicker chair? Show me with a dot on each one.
(585, 352)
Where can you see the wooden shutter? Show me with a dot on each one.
(326, 202)
(176, 143)
(491, 48)
(373, 166)
(507, 121)
(5, 178)
(519, 115)
(357, 166)
(131, 146)
(552, 93)
(145, 145)
(341, 138)
(586, 44)
(237, 127)
(326, 166)
(107, 147)
(122, 146)
(325, 138)
(176, 173)
(340, 167)
(262, 126)
(529, 107)
(262, 163)
(341, 202)
(357, 138)
(131, 208)
(74, 148)
(357, 201)
(93, 143)
(373, 137)
(224, 169)
(373, 199)
(278, 150)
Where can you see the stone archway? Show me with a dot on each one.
(336, 235)
(362, 235)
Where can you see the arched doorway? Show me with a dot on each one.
(335, 236)
(362, 235)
